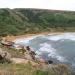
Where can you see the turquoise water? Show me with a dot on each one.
(59, 47)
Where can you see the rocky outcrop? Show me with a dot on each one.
(29, 54)
(4, 56)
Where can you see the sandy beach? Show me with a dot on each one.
(12, 38)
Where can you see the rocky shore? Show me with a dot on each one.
(28, 56)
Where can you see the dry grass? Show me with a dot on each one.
(28, 69)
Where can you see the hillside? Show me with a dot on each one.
(22, 21)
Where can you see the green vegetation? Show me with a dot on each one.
(22, 21)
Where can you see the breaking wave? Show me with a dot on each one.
(47, 48)
(70, 36)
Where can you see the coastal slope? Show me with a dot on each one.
(24, 21)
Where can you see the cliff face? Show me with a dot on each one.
(21, 21)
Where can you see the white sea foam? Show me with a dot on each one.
(52, 52)
(70, 36)
(24, 40)
(38, 52)
(46, 47)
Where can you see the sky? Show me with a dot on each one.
(41, 4)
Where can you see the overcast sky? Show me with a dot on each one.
(42, 4)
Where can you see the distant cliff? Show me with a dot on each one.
(21, 21)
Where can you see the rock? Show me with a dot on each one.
(41, 60)
(49, 62)
(27, 56)
(19, 60)
(4, 56)
(8, 56)
(32, 54)
(24, 61)
(28, 48)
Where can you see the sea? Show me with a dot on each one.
(60, 48)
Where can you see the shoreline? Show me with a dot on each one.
(12, 38)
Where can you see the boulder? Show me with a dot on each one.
(4, 56)
(28, 56)
(49, 62)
